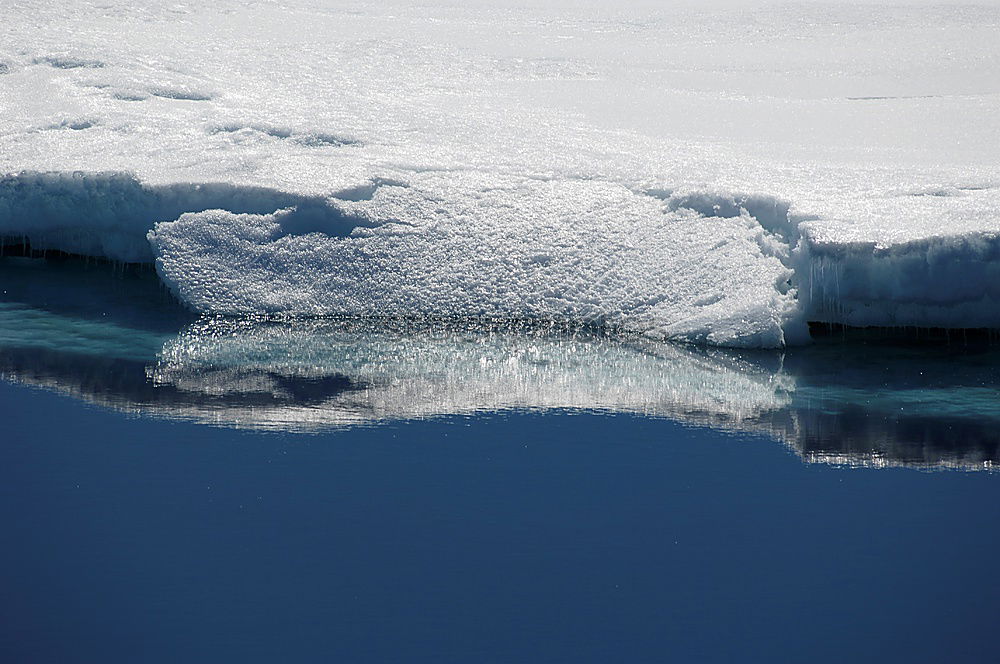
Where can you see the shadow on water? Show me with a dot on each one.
(119, 340)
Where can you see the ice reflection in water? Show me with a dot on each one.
(404, 370)
(120, 342)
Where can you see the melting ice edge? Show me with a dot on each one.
(713, 268)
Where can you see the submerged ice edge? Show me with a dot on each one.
(714, 268)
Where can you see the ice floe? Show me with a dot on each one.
(720, 174)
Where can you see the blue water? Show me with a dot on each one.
(178, 490)
(521, 537)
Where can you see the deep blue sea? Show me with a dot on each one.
(184, 490)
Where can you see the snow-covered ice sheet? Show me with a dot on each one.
(717, 172)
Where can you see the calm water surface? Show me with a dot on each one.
(174, 489)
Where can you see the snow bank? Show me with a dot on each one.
(588, 252)
(950, 281)
(705, 267)
(666, 171)
(107, 215)
(573, 250)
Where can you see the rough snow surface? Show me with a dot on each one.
(591, 253)
(718, 173)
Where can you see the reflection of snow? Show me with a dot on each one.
(414, 371)
(830, 404)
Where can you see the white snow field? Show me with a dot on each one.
(718, 172)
